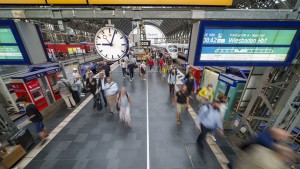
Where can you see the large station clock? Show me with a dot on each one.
(111, 43)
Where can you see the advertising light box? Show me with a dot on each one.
(246, 43)
(12, 50)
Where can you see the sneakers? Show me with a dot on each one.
(69, 108)
(124, 77)
(213, 138)
(131, 80)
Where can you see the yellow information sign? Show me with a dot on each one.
(22, 2)
(70, 51)
(162, 2)
(66, 2)
(122, 2)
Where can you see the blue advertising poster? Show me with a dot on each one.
(247, 43)
(12, 51)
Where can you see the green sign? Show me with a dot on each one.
(6, 36)
(10, 52)
(248, 36)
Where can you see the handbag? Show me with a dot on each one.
(99, 102)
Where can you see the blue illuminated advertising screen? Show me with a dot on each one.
(247, 43)
(12, 51)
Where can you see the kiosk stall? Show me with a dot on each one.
(231, 86)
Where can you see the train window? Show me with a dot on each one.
(172, 46)
(173, 50)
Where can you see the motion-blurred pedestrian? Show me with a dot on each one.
(209, 118)
(124, 102)
(143, 69)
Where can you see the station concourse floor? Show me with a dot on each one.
(94, 140)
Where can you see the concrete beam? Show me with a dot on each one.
(95, 13)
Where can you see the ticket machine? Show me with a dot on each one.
(39, 86)
(231, 86)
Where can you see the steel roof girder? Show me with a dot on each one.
(250, 14)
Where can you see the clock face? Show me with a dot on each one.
(111, 43)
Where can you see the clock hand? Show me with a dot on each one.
(112, 39)
(105, 37)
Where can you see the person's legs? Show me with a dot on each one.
(178, 112)
(127, 116)
(123, 71)
(170, 88)
(104, 98)
(95, 100)
(110, 102)
(131, 75)
(202, 135)
(122, 114)
(40, 129)
(79, 87)
(212, 135)
(66, 99)
(72, 100)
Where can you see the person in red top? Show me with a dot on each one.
(161, 63)
(151, 64)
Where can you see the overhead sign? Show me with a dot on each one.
(11, 47)
(145, 43)
(121, 2)
(245, 43)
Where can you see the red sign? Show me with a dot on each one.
(197, 74)
(20, 90)
(37, 94)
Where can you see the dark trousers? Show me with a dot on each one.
(124, 71)
(203, 134)
(172, 88)
(107, 74)
(103, 96)
(95, 98)
(131, 73)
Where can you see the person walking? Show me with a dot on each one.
(101, 87)
(206, 94)
(77, 81)
(65, 91)
(106, 69)
(209, 118)
(131, 68)
(35, 117)
(88, 70)
(160, 65)
(190, 83)
(123, 66)
(222, 108)
(172, 81)
(143, 70)
(124, 103)
(151, 64)
(165, 69)
(181, 100)
(91, 86)
(111, 89)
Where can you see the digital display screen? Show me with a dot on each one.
(12, 49)
(9, 49)
(244, 45)
(248, 36)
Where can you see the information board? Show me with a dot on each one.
(246, 43)
(11, 47)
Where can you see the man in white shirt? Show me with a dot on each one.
(77, 80)
(101, 85)
(111, 89)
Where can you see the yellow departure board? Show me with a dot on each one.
(163, 2)
(67, 2)
(122, 2)
(17, 2)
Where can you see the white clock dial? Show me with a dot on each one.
(111, 43)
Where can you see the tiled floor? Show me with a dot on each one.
(93, 140)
